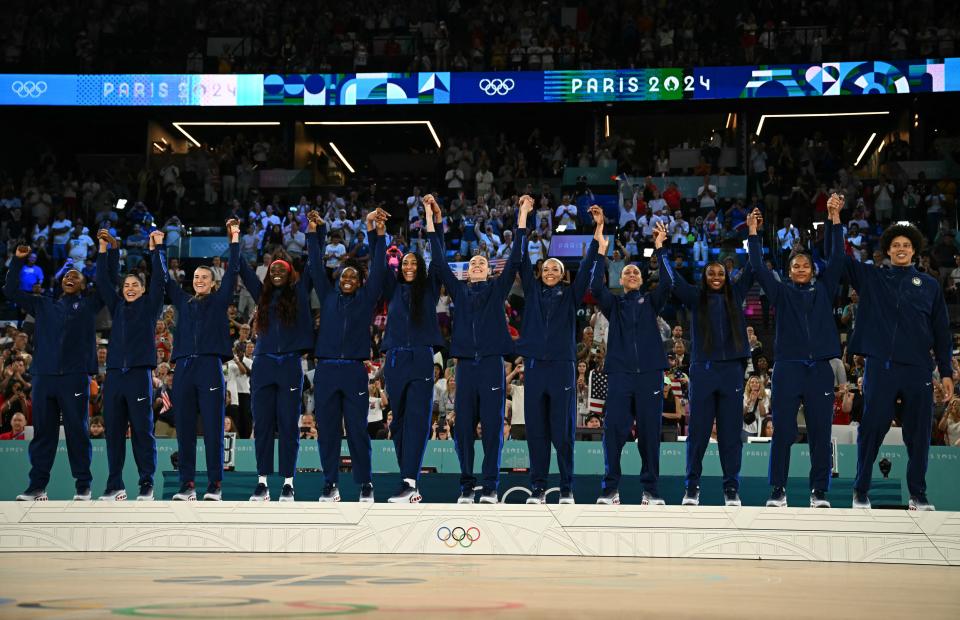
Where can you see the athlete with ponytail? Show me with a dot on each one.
(201, 347)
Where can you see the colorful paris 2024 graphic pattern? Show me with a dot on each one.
(439, 88)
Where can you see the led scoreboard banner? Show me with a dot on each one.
(828, 79)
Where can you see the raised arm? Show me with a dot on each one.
(315, 232)
(742, 286)
(833, 272)
(250, 280)
(105, 285)
(599, 289)
(755, 257)
(438, 263)
(229, 282)
(687, 293)
(504, 281)
(659, 295)
(526, 269)
(589, 262)
(378, 262)
(11, 288)
(855, 270)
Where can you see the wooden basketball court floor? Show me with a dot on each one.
(222, 585)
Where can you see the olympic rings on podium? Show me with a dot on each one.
(464, 537)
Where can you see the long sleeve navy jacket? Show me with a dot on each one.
(132, 337)
(281, 338)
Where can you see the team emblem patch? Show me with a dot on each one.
(76, 305)
(916, 281)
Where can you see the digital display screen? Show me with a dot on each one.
(829, 79)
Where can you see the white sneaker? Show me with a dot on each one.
(691, 497)
(649, 499)
(567, 498)
(609, 498)
(261, 493)
(731, 497)
(860, 500)
(466, 497)
(919, 502)
(330, 493)
(117, 495)
(146, 493)
(778, 498)
(84, 495)
(407, 494)
(489, 497)
(187, 493)
(818, 499)
(33, 495)
(538, 496)
(366, 493)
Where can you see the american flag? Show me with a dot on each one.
(597, 390)
(165, 399)
(459, 269)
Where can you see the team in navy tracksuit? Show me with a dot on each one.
(479, 343)
(131, 358)
(200, 348)
(65, 357)
(634, 365)
(716, 375)
(548, 346)
(408, 343)
(276, 379)
(806, 340)
(340, 380)
(901, 317)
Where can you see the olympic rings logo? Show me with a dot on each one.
(28, 89)
(458, 536)
(496, 86)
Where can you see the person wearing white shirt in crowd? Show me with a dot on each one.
(657, 203)
(484, 180)
(536, 248)
(628, 212)
(415, 203)
(333, 252)
(40, 231)
(504, 250)
(263, 268)
(566, 214)
(454, 178)
(855, 239)
(61, 229)
(659, 216)
(544, 213)
(787, 237)
(883, 199)
(249, 244)
(296, 241)
(679, 230)
(270, 218)
(488, 237)
(645, 224)
(707, 195)
(237, 378)
(79, 248)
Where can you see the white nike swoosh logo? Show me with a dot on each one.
(929, 384)
(657, 392)
(567, 389)
(494, 389)
(140, 400)
(78, 393)
(293, 389)
(826, 393)
(361, 393)
(214, 389)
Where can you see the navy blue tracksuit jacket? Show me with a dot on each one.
(201, 346)
(64, 358)
(634, 365)
(131, 358)
(903, 331)
(716, 379)
(548, 346)
(480, 341)
(340, 388)
(806, 341)
(276, 379)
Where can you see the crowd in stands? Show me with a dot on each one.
(245, 36)
(57, 209)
